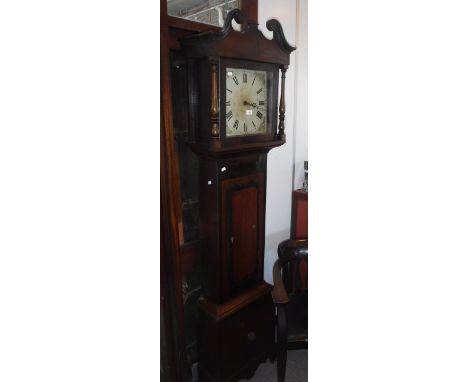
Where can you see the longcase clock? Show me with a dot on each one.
(235, 118)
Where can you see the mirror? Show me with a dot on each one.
(212, 12)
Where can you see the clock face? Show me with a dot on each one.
(246, 102)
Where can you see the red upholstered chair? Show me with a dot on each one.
(290, 297)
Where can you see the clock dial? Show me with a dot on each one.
(246, 102)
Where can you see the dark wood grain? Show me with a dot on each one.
(190, 254)
(290, 300)
(243, 231)
(220, 311)
(293, 253)
(168, 339)
(209, 186)
(214, 111)
(299, 214)
(174, 366)
(236, 329)
(229, 48)
(239, 338)
(250, 44)
(217, 190)
(279, 291)
(243, 238)
(281, 342)
(251, 9)
(282, 106)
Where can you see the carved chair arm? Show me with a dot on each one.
(279, 292)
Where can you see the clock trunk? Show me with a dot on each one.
(232, 214)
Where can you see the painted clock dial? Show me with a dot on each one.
(246, 102)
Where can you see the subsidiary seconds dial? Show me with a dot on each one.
(246, 102)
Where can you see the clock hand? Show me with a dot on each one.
(250, 104)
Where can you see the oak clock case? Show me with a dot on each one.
(233, 122)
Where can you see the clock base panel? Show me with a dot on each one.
(238, 337)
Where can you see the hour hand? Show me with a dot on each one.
(250, 104)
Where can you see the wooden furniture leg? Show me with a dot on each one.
(282, 342)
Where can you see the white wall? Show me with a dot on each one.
(280, 160)
(301, 111)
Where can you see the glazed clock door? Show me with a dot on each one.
(248, 101)
(243, 232)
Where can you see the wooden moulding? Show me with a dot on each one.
(249, 44)
(227, 151)
(219, 312)
(282, 106)
(214, 101)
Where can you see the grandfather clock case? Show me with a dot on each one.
(235, 118)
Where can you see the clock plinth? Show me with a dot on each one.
(239, 334)
(233, 106)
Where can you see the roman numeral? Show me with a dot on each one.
(259, 91)
(236, 124)
(254, 79)
(253, 123)
(261, 103)
(244, 77)
(259, 115)
(228, 103)
(245, 127)
(230, 91)
(235, 80)
(229, 115)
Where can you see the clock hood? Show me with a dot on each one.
(249, 44)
